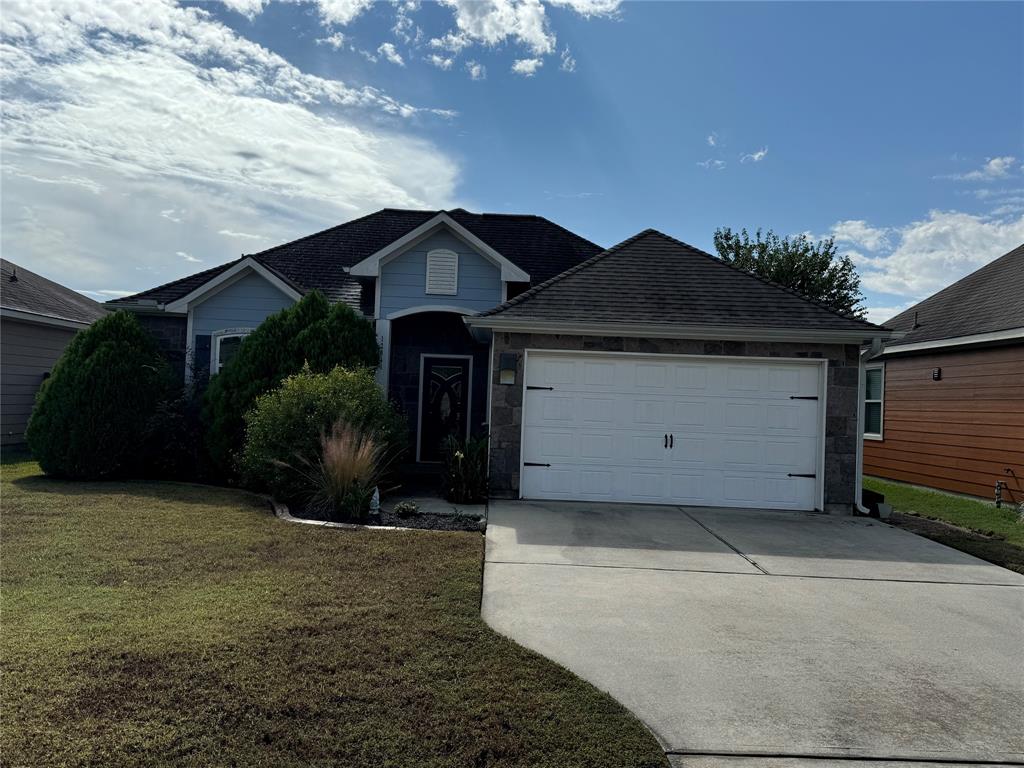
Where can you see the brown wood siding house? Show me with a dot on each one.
(951, 411)
(38, 318)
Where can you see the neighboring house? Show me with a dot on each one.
(38, 318)
(651, 372)
(944, 404)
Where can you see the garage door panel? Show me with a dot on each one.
(738, 433)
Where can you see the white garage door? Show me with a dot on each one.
(675, 430)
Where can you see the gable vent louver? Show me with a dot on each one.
(443, 272)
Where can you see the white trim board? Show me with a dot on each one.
(34, 317)
(959, 341)
(226, 278)
(419, 399)
(667, 331)
(370, 266)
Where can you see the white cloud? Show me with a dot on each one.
(939, 250)
(712, 163)
(754, 157)
(441, 62)
(588, 8)
(477, 71)
(240, 235)
(248, 8)
(188, 257)
(860, 233)
(712, 139)
(568, 62)
(388, 51)
(341, 12)
(171, 112)
(994, 168)
(527, 67)
(336, 40)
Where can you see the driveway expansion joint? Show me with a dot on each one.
(729, 545)
(852, 757)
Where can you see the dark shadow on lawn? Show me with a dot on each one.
(144, 490)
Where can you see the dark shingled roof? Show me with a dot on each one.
(28, 292)
(317, 261)
(990, 299)
(653, 279)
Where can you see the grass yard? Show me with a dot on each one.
(999, 536)
(157, 624)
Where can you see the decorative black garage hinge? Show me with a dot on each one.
(528, 386)
(803, 397)
(797, 474)
(534, 464)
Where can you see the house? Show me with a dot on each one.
(38, 318)
(649, 372)
(944, 404)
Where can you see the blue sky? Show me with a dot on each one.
(145, 143)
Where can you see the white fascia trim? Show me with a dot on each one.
(430, 308)
(226, 278)
(370, 266)
(716, 332)
(39, 319)
(958, 341)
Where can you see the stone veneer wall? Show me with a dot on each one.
(840, 416)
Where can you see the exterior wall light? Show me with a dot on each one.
(508, 362)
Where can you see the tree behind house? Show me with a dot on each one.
(812, 269)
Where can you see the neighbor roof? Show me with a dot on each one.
(26, 291)
(653, 279)
(318, 261)
(987, 300)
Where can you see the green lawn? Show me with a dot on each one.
(1003, 531)
(156, 624)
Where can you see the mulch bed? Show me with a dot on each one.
(991, 548)
(419, 520)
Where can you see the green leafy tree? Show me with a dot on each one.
(812, 269)
(312, 332)
(91, 414)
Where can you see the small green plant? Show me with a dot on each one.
(340, 482)
(464, 477)
(406, 509)
(290, 420)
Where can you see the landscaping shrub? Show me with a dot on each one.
(464, 478)
(312, 332)
(286, 425)
(173, 439)
(91, 414)
(341, 481)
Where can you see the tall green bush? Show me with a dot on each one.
(91, 414)
(286, 424)
(312, 332)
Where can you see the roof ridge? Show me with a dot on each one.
(169, 283)
(330, 229)
(764, 280)
(562, 275)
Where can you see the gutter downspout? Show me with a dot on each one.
(874, 349)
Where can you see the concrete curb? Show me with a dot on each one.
(281, 512)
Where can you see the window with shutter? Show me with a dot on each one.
(442, 272)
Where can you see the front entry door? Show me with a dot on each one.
(444, 403)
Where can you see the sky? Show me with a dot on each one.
(143, 142)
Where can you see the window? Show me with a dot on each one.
(443, 272)
(225, 346)
(874, 390)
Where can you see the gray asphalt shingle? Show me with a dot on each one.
(26, 291)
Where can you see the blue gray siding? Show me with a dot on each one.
(244, 304)
(403, 279)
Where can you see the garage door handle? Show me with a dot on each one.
(803, 397)
(797, 474)
(671, 441)
(666, 439)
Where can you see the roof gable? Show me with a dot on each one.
(320, 261)
(986, 301)
(652, 280)
(27, 292)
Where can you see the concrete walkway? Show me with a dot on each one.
(754, 639)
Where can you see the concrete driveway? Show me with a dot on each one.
(748, 638)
